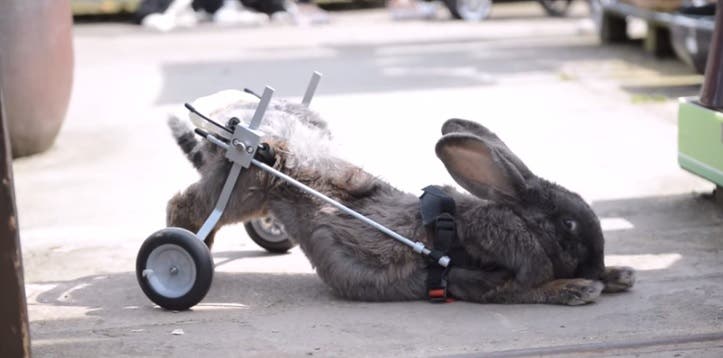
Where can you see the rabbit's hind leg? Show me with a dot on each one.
(618, 278)
(187, 210)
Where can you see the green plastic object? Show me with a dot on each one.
(700, 140)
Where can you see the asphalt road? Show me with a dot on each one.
(599, 120)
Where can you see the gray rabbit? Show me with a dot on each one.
(532, 241)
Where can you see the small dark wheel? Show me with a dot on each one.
(469, 10)
(556, 8)
(268, 233)
(174, 268)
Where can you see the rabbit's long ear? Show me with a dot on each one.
(477, 166)
(456, 125)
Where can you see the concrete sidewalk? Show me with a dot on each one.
(599, 120)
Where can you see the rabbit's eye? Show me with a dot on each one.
(569, 224)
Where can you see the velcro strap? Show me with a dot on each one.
(444, 237)
(438, 209)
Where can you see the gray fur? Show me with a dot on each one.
(512, 227)
(291, 121)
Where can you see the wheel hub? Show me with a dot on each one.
(270, 229)
(170, 270)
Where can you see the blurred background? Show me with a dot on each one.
(585, 92)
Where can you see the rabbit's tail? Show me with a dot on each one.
(186, 139)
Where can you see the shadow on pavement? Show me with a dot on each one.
(662, 92)
(109, 313)
(230, 289)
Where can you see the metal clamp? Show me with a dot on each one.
(245, 141)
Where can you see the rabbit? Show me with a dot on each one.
(533, 241)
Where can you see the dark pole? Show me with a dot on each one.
(711, 94)
(14, 331)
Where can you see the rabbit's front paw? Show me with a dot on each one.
(618, 279)
(580, 291)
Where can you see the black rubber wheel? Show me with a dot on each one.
(174, 268)
(268, 233)
(556, 8)
(469, 10)
(611, 28)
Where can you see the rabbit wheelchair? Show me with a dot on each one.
(174, 267)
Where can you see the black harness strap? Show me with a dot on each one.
(438, 210)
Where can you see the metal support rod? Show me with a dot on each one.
(14, 331)
(233, 176)
(417, 246)
(261, 108)
(311, 88)
(226, 192)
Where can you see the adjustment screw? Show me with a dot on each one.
(238, 144)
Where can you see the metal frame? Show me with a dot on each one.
(241, 149)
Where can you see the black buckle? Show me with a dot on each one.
(437, 291)
(445, 222)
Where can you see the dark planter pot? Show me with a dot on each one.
(36, 70)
